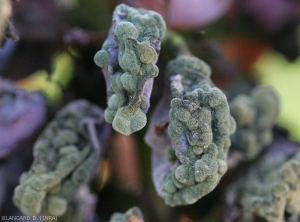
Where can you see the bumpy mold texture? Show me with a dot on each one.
(127, 59)
(134, 214)
(271, 191)
(255, 116)
(22, 114)
(65, 156)
(190, 143)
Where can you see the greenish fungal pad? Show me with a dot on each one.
(270, 190)
(134, 214)
(64, 157)
(127, 59)
(255, 117)
(199, 128)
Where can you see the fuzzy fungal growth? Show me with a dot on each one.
(193, 158)
(22, 114)
(271, 191)
(127, 59)
(255, 116)
(65, 156)
(134, 214)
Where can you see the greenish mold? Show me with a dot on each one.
(133, 214)
(255, 117)
(64, 157)
(200, 126)
(271, 191)
(128, 58)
